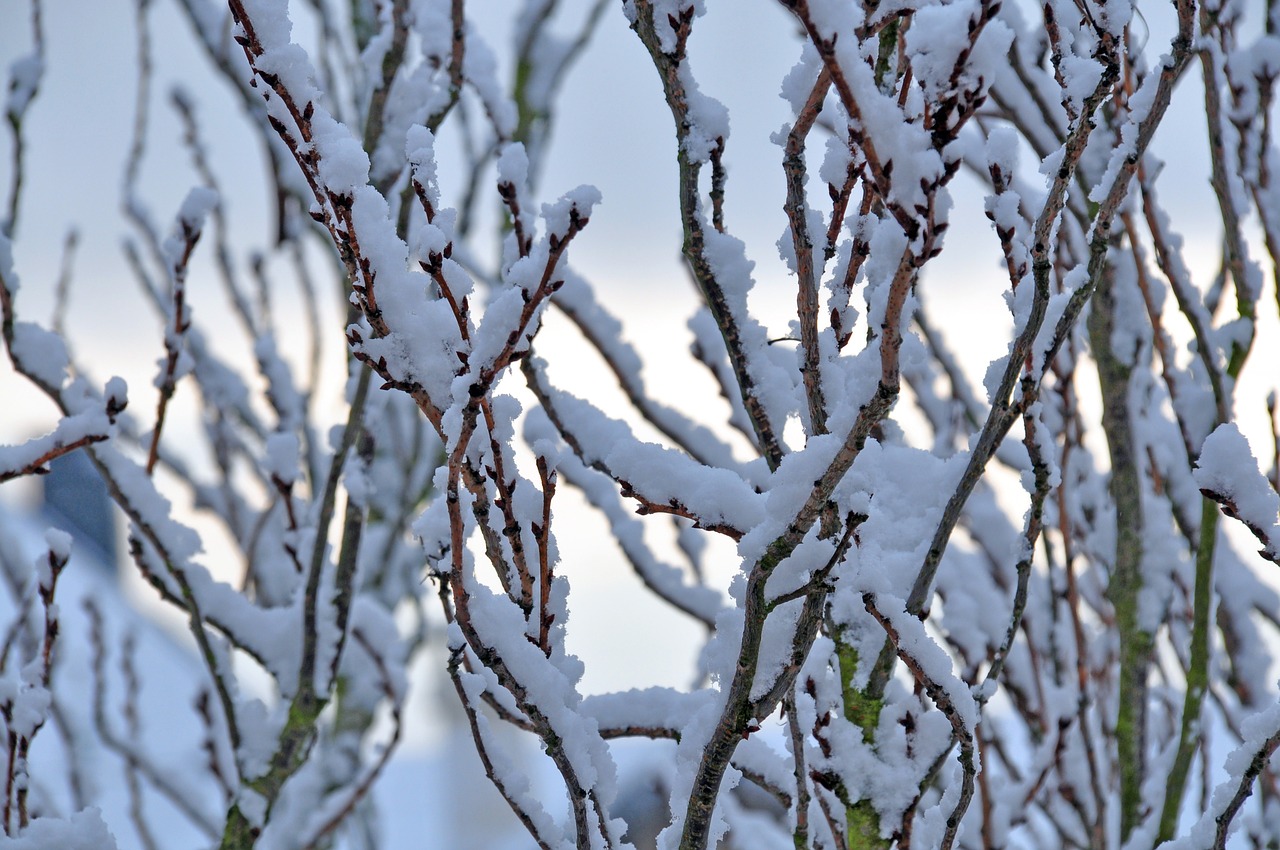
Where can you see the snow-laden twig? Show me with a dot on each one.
(931, 669)
(1243, 765)
(170, 786)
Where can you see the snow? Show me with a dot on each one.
(480, 68)
(665, 11)
(197, 205)
(59, 543)
(513, 165)
(935, 664)
(832, 17)
(180, 542)
(797, 85)
(708, 346)
(424, 339)
(507, 772)
(707, 119)
(1054, 310)
(42, 353)
(667, 580)
(1081, 75)
(499, 624)
(580, 304)
(933, 45)
(1256, 731)
(378, 628)
(887, 245)
(1052, 164)
(776, 382)
(116, 393)
(281, 460)
(1227, 470)
(776, 648)
(1237, 333)
(259, 731)
(28, 706)
(1140, 105)
(576, 202)
(24, 80)
(697, 729)
(1116, 15)
(664, 476)
(291, 68)
(90, 424)
(420, 152)
(663, 708)
(908, 147)
(902, 488)
(835, 163)
(901, 518)
(431, 22)
(82, 830)
(1002, 149)
(658, 474)
(169, 678)
(252, 805)
(271, 21)
(289, 404)
(343, 166)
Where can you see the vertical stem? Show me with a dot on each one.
(797, 209)
(862, 821)
(1114, 376)
(800, 837)
(1197, 671)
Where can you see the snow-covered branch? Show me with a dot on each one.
(917, 613)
